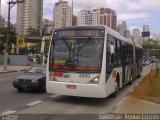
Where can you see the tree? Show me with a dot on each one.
(12, 39)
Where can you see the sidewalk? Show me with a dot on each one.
(11, 68)
(132, 105)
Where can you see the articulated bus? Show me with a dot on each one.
(91, 61)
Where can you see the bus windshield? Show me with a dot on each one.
(76, 54)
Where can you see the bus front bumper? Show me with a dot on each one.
(77, 89)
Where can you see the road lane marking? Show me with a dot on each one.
(120, 101)
(8, 112)
(34, 103)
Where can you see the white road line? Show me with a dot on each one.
(54, 96)
(8, 112)
(120, 101)
(34, 103)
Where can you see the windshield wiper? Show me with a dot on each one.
(80, 47)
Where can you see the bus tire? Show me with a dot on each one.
(131, 81)
(139, 76)
(114, 95)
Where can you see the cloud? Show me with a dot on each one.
(132, 15)
(128, 10)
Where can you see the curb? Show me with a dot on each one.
(12, 71)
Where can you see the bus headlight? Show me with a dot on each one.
(35, 81)
(16, 80)
(95, 80)
(52, 78)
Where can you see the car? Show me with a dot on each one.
(33, 79)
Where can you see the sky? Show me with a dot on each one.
(135, 12)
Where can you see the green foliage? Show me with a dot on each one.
(46, 47)
(12, 39)
(151, 44)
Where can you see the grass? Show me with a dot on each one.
(149, 88)
(155, 88)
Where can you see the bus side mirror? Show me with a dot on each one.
(111, 49)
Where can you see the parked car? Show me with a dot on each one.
(33, 79)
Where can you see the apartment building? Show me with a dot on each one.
(62, 15)
(47, 27)
(29, 18)
(88, 17)
(99, 16)
(136, 35)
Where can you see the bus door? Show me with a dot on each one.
(123, 64)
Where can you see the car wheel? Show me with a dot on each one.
(20, 89)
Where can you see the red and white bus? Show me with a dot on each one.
(91, 61)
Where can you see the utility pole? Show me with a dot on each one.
(11, 4)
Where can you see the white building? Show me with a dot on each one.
(100, 16)
(88, 17)
(29, 17)
(123, 30)
(146, 28)
(136, 34)
(62, 15)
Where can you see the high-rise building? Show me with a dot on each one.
(123, 30)
(88, 17)
(146, 28)
(100, 16)
(108, 17)
(62, 15)
(29, 18)
(47, 27)
(74, 19)
(137, 36)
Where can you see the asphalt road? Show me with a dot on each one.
(10, 99)
(9, 96)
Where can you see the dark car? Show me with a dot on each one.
(33, 79)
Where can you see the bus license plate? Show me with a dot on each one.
(71, 86)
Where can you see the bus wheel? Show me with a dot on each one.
(114, 95)
(139, 76)
(131, 81)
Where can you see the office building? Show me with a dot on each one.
(29, 18)
(62, 15)
(100, 16)
(136, 35)
(123, 30)
(88, 17)
(108, 17)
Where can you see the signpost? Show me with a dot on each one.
(20, 42)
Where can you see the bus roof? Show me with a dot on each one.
(82, 27)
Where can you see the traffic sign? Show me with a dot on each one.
(20, 42)
(145, 34)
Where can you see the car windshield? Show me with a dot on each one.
(37, 69)
(77, 54)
